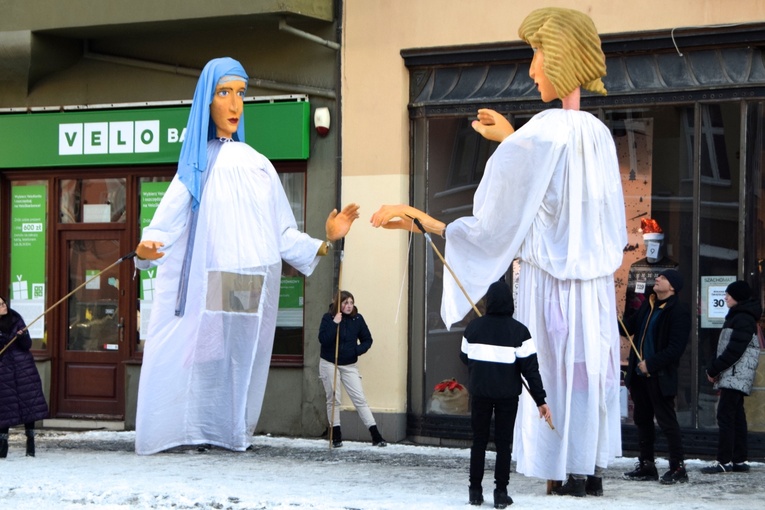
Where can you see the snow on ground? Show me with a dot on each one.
(98, 470)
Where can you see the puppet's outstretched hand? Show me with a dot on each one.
(149, 250)
(492, 125)
(339, 223)
(400, 216)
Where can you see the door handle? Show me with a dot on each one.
(121, 328)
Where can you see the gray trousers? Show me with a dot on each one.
(350, 378)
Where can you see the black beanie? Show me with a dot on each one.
(739, 290)
(674, 277)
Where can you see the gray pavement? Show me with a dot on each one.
(305, 473)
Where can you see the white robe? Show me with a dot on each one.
(551, 196)
(204, 374)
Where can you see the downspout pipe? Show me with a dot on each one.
(283, 26)
(186, 71)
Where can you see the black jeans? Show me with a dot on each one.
(649, 402)
(504, 411)
(731, 421)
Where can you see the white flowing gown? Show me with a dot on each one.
(551, 195)
(204, 374)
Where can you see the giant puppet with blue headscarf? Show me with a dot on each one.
(218, 238)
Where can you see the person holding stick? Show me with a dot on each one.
(498, 351)
(21, 395)
(660, 329)
(550, 196)
(344, 336)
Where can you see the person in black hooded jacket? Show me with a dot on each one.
(346, 332)
(497, 350)
(733, 372)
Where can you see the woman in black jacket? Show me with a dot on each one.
(733, 372)
(21, 395)
(344, 332)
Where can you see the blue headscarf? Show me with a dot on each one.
(193, 160)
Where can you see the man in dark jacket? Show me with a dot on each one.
(733, 372)
(498, 350)
(660, 329)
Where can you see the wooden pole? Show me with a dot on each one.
(54, 305)
(337, 348)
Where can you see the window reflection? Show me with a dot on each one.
(94, 319)
(92, 201)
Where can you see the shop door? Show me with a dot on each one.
(92, 329)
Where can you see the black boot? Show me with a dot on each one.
(594, 486)
(475, 496)
(337, 437)
(30, 442)
(3, 445)
(501, 499)
(572, 487)
(377, 439)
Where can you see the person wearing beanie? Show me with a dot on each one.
(674, 278)
(659, 333)
(732, 372)
(739, 291)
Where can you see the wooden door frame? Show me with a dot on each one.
(131, 227)
(60, 326)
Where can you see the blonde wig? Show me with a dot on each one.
(571, 46)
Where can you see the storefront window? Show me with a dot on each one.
(288, 339)
(28, 288)
(718, 257)
(92, 201)
(754, 264)
(655, 162)
(655, 147)
(94, 317)
(151, 191)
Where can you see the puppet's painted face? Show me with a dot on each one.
(226, 107)
(537, 73)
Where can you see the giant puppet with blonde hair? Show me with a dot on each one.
(550, 196)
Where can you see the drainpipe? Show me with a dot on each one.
(186, 71)
(305, 35)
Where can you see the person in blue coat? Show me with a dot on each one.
(344, 336)
(21, 396)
